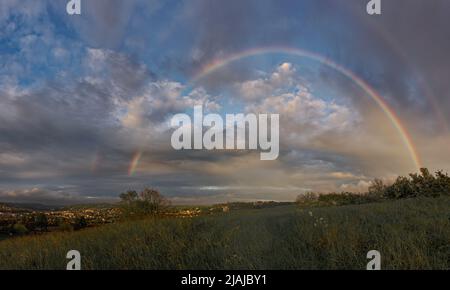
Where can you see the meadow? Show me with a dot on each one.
(410, 233)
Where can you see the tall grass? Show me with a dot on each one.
(410, 234)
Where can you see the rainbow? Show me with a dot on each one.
(388, 111)
(428, 92)
(134, 162)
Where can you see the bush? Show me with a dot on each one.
(19, 229)
(80, 223)
(442, 183)
(401, 188)
(330, 199)
(344, 198)
(307, 198)
(423, 184)
(65, 227)
(41, 221)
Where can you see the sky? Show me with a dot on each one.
(86, 100)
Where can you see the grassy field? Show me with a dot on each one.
(3, 237)
(410, 234)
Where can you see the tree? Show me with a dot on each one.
(80, 223)
(307, 198)
(129, 197)
(153, 200)
(377, 188)
(41, 221)
(442, 183)
(149, 201)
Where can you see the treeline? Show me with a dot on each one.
(415, 185)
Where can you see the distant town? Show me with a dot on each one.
(17, 220)
(33, 219)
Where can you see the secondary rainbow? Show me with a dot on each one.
(134, 162)
(388, 111)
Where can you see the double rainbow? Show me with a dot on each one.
(217, 64)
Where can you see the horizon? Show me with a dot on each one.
(117, 202)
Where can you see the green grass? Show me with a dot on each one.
(4, 237)
(410, 234)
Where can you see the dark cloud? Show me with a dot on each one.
(56, 197)
(420, 30)
(103, 22)
(409, 43)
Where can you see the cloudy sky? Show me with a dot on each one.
(86, 101)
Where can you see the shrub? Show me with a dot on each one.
(401, 188)
(19, 229)
(330, 199)
(423, 184)
(65, 227)
(344, 198)
(41, 221)
(80, 223)
(442, 183)
(307, 198)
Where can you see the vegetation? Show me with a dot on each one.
(423, 184)
(41, 221)
(410, 234)
(416, 185)
(20, 229)
(80, 223)
(329, 199)
(148, 202)
(78, 217)
(407, 221)
(65, 227)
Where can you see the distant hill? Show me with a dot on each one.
(9, 206)
(89, 206)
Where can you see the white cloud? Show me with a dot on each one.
(359, 186)
(11, 159)
(283, 77)
(304, 117)
(346, 175)
(160, 100)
